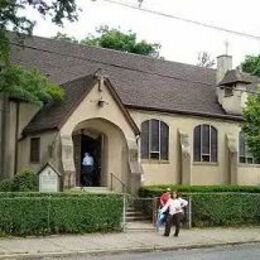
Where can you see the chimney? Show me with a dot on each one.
(224, 63)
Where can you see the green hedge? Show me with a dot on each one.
(32, 215)
(57, 195)
(217, 205)
(156, 190)
(25, 181)
(225, 209)
(5, 185)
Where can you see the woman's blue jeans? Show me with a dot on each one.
(161, 218)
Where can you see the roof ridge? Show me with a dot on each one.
(77, 79)
(115, 65)
(123, 53)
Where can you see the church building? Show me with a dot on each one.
(144, 121)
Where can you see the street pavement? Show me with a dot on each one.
(137, 241)
(238, 252)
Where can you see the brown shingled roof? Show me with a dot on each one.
(140, 82)
(234, 76)
(53, 115)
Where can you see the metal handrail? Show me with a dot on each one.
(120, 181)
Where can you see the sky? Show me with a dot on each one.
(180, 41)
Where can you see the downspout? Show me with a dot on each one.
(16, 137)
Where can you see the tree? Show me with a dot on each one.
(117, 40)
(251, 113)
(204, 60)
(251, 127)
(64, 37)
(251, 65)
(28, 85)
(14, 80)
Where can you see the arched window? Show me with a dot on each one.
(244, 154)
(205, 143)
(154, 140)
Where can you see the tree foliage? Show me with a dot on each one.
(204, 60)
(30, 85)
(65, 37)
(251, 113)
(251, 127)
(251, 65)
(112, 38)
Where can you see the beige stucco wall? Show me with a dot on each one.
(108, 120)
(248, 174)
(234, 104)
(202, 173)
(47, 141)
(88, 109)
(9, 155)
(27, 112)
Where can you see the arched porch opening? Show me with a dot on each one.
(107, 145)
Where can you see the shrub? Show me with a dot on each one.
(217, 205)
(5, 185)
(55, 195)
(156, 190)
(225, 209)
(26, 181)
(60, 214)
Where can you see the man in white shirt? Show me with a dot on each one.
(176, 213)
(88, 169)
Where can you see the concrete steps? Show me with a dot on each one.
(137, 221)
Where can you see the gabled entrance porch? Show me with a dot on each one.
(101, 125)
(106, 143)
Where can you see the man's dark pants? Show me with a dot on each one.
(88, 175)
(173, 220)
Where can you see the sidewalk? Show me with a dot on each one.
(58, 245)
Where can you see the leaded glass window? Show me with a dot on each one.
(205, 143)
(154, 140)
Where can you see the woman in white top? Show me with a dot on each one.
(176, 214)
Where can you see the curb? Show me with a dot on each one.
(123, 250)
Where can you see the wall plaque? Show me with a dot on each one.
(49, 179)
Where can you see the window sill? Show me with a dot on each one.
(153, 161)
(35, 163)
(206, 163)
(248, 165)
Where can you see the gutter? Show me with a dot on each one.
(189, 113)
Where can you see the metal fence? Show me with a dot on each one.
(149, 207)
(238, 208)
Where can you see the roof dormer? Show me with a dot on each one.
(232, 94)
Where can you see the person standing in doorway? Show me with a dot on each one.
(88, 169)
(176, 213)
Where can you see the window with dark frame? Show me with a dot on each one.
(35, 150)
(244, 154)
(154, 140)
(205, 143)
(228, 91)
